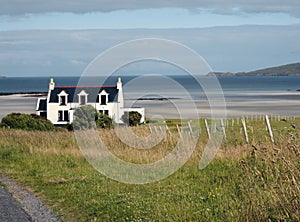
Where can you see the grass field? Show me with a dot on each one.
(258, 181)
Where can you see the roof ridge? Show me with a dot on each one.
(74, 87)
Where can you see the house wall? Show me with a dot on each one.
(52, 112)
(53, 108)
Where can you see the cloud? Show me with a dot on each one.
(21, 7)
(67, 52)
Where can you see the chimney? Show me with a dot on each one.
(51, 84)
(119, 84)
(120, 94)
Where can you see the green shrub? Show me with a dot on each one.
(26, 122)
(87, 117)
(131, 118)
(104, 121)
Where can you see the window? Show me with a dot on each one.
(103, 100)
(63, 100)
(106, 112)
(82, 99)
(66, 115)
(63, 116)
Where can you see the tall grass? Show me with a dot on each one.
(246, 182)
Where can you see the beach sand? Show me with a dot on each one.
(233, 108)
(17, 103)
(165, 108)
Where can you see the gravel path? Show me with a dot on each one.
(33, 208)
(10, 210)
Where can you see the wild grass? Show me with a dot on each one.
(258, 181)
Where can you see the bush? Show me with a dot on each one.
(26, 122)
(104, 121)
(87, 117)
(131, 118)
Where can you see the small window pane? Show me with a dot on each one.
(66, 115)
(63, 100)
(60, 115)
(103, 100)
(82, 100)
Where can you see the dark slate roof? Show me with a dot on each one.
(42, 105)
(92, 91)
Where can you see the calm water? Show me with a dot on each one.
(235, 88)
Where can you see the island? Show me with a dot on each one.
(284, 70)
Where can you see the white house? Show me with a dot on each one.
(61, 102)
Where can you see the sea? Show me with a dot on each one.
(175, 86)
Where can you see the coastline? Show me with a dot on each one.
(276, 104)
(34, 94)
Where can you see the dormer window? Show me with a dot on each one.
(82, 97)
(63, 98)
(103, 100)
(103, 97)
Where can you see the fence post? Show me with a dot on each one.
(223, 128)
(207, 128)
(190, 127)
(245, 129)
(161, 129)
(179, 131)
(269, 128)
(150, 129)
(168, 130)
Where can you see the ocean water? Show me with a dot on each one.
(234, 88)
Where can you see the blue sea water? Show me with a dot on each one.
(242, 87)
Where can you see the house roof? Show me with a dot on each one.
(92, 91)
(42, 106)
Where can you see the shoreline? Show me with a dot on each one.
(24, 94)
(284, 105)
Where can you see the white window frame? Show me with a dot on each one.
(103, 93)
(83, 93)
(60, 95)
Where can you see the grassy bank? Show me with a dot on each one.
(258, 181)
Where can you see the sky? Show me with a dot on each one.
(43, 38)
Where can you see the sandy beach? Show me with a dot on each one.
(289, 106)
(17, 103)
(233, 108)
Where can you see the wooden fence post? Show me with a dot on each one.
(245, 129)
(223, 128)
(269, 128)
(190, 127)
(168, 130)
(161, 129)
(179, 131)
(150, 129)
(207, 128)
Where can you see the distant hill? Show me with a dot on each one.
(285, 70)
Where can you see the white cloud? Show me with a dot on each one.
(242, 48)
(21, 7)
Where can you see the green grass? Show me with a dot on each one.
(259, 181)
